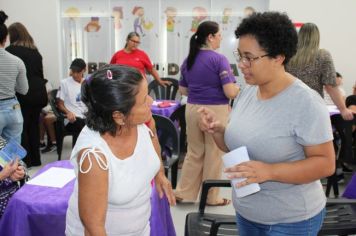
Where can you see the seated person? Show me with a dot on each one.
(47, 120)
(115, 157)
(351, 104)
(9, 175)
(69, 97)
(351, 100)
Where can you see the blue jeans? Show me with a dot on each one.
(11, 121)
(309, 227)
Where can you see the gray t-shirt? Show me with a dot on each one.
(275, 130)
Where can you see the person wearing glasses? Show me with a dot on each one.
(315, 67)
(286, 128)
(130, 55)
(207, 80)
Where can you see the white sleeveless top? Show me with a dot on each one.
(129, 206)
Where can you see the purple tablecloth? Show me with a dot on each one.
(36, 210)
(350, 190)
(333, 110)
(165, 111)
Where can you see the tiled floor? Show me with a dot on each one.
(179, 212)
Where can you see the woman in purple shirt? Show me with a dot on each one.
(208, 81)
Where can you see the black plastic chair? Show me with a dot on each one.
(202, 224)
(163, 93)
(179, 117)
(340, 217)
(345, 151)
(59, 126)
(350, 100)
(169, 140)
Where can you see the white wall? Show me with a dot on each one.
(334, 18)
(336, 22)
(41, 19)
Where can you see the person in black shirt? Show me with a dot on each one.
(22, 45)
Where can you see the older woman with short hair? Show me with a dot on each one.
(115, 157)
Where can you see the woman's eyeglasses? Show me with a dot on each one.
(246, 61)
(134, 41)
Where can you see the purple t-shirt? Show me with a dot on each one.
(206, 78)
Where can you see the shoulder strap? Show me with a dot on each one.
(145, 127)
(92, 152)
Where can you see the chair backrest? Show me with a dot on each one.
(165, 93)
(53, 104)
(344, 129)
(350, 100)
(179, 117)
(60, 129)
(168, 139)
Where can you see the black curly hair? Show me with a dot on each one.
(274, 32)
(103, 94)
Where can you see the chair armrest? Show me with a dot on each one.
(332, 201)
(57, 113)
(216, 223)
(207, 184)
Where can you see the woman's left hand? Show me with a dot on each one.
(18, 174)
(253, 171)
(164, 187)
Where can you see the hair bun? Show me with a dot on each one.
(3, 17)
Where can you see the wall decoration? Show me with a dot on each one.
(95, 29)
(227, 13)
(118, 15)
(199, 14)
(140, 22)
(72, 12)
(93, 25)
(249, 11)
(171, 13)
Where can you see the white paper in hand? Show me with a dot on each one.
(235, 157)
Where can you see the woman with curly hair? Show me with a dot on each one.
(286, 128)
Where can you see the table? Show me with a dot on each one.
(36, 210)
(350, 190)
(333, 110)
(165, 111)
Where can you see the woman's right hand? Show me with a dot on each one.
(9, 169)
(18, 174)
(71, 117)
(208, 122)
